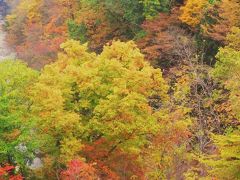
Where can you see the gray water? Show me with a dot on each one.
(5, 51)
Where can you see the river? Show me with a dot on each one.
(5, 51)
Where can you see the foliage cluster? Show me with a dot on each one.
(122, 89)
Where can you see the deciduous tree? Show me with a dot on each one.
(84, 98)
(220, 18)
(16, 144)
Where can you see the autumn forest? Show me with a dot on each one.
(119, 89)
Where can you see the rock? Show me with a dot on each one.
(36, 163)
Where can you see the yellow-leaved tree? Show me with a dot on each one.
(226, 164)
(193, 12)
(100, 108)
